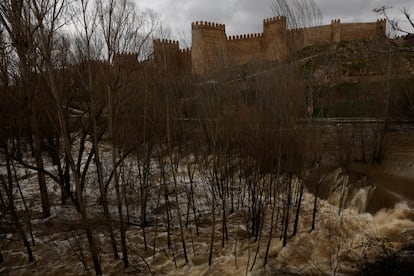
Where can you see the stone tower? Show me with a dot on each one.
(167, 54)
(209, 48)
(275, 38)
(382, 26)
(336, 30)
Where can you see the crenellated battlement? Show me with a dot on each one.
(382, 24)
(125, 58)
(245, 36)
(399, 39)
(403, 37)
(126, 54)
(170, 58)
(185, 50)
(273, 20)
(212, 50)
(295, 30)
(208, 25)
(404, 40)
(166, 42)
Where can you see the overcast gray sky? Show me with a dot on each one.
(246, 16)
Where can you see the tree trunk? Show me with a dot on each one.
(315, 206)
(179, 215)
(111, 123)
(119, 205)
(286, 222)
(98, 164)
(295, 226)
(41, 176)
(75, 173)
(9, 191)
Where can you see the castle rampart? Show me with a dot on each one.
(243, 49)
(353, 31)
(213, 51)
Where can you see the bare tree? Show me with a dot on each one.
(122, 30)
(49, 16)
(88, 23)
(8, 207)
(17, 20)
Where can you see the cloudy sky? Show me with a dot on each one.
(245, 16)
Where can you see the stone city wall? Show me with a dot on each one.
(212, 50)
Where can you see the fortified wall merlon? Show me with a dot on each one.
(125, 59)
(166, 42)
(208, 26)
(169, 57)
(212, 50)
(272, 20)
(244, 36)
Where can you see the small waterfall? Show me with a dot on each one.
(360, 199)
(347, 195)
